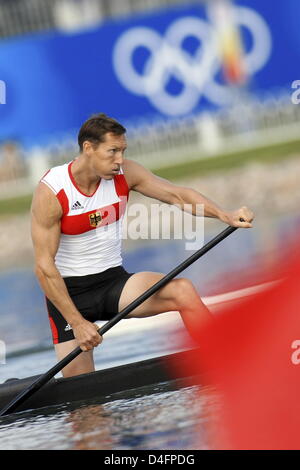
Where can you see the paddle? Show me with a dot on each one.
(35, 386)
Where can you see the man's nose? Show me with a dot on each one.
(119, 158)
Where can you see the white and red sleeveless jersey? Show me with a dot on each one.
(91, 226)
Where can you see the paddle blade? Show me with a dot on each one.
(252, 353)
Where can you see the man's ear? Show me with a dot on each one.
(87, 147)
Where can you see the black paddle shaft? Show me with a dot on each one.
(35, 386)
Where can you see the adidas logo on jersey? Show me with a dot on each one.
(76, 206)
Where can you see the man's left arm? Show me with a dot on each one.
(143, 181)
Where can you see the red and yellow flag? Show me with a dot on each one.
(229, 41)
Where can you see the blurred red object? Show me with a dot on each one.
(252, 354)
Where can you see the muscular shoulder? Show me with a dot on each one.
(56, 177)
(135, 173)
(45, 206)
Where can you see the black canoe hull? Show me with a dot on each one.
(101, 384)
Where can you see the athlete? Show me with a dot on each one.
(77, 212)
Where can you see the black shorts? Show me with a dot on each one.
(96, 296)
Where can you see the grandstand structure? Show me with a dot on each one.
(29, 16)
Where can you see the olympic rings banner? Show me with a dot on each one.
(162, 65)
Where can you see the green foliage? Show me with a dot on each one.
(194, 167)
(14, 206)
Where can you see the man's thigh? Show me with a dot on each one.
(162, 301)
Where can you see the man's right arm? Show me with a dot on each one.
(46, 215)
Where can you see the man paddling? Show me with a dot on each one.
(78, 249)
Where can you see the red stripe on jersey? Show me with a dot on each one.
(81, 223)
(121, 185)
(62, 197)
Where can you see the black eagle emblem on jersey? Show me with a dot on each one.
(95, 219)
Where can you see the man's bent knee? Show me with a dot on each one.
(183, 291)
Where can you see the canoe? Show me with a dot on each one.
(103, 385)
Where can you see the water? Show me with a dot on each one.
(165, 420)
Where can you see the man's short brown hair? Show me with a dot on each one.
(95, 128)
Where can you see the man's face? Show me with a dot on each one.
(108, 156)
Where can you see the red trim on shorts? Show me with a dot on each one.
(53, 327)
(77, 224)
(63, 200)
(54, 331)
(75, 184)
